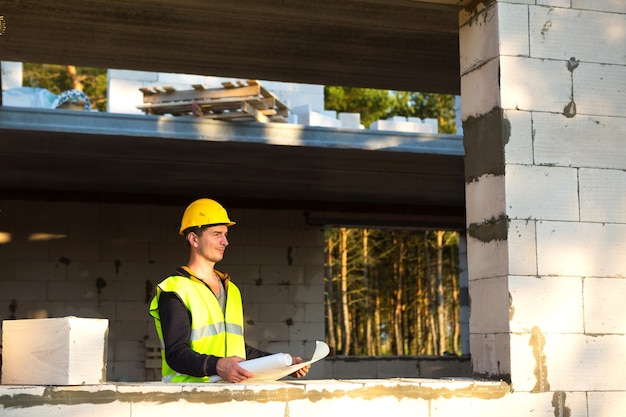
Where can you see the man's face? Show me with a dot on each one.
(212, 243)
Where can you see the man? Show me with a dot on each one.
(198, 311)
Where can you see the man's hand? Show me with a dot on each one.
(229, 370)
(302, 371)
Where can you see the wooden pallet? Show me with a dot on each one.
(238, 101)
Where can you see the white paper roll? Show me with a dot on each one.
(275, 361)
(278, 365)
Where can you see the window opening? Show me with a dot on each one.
(392, 292)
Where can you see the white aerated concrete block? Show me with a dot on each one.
(581, 249)
(533, 304)
(519, 146)
(486, 259)
(604, 308)
(609, 403)
(602, 195)
(402, 124)
(350, 120)
(485, 199)
(489, 305)
(308, 117)
(549, 193)
(567, 362)
(54, 351)
(589, 36)
(521, 89)
(12, 74)
(522, 247)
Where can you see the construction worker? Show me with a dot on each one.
(198, 310)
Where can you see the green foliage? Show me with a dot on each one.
(370, 103)
(375, 105)
(57, 79)
(425, 105)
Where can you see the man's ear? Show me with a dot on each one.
(192, 238)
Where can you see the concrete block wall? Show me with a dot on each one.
(407, 124)
(543, 109)
(296, 398)
(103, 260)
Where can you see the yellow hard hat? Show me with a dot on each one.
(204, 212)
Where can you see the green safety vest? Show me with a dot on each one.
(213, 332)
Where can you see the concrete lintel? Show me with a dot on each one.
(46, 120)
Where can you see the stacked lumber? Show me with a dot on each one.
(239, 101)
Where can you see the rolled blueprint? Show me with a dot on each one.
(278, 365)
(260, 365)
(264, 368)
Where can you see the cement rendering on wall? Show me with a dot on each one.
(400, 397)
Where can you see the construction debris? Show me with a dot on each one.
(240, 101)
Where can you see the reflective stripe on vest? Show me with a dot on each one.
(212, 332)
(215, 329)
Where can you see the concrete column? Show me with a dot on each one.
(543, 118)
(483, 127)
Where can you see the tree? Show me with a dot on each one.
(398, 272)
(392, 291)
(375, 105)
(369, 342)
(345, 311)
(371, 104)
(441, 323)
(424, 105)
(329, 293)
